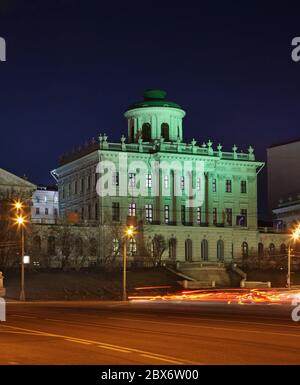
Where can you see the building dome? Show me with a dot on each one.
(154, 98)
(154, 118)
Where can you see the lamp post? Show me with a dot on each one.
(295, 237)
(129, 233)
(20, 221)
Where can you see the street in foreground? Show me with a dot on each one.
(148, 333)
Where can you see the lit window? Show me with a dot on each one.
(116, 246)
(167, 213)
(132, 246)
(149, 213)
(132, 209)
(198, 215)
(148, 180)
(198, 184)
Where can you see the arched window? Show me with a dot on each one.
(245, 250)
(220, 250)
(188, 250)
(36, 245)
(272, 249)
(51, 246)
(283, 249)
(260, 250)
(172, 249)
(146, 132)
(165, 131)
(79, 246)
(204, 250)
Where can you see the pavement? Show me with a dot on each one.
(148, 333)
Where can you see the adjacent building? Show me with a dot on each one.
(284, 181)
(45, 208)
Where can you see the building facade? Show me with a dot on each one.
(283, 172)
(45, 208)
(201, 199)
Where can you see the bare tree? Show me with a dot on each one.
(156, 247)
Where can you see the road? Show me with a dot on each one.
(148, 333)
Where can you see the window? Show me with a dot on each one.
(115, 211)
(272, 249)
(243, 187)
(229, 216)
(132, 246)
(146, 132)
(37, 199)
(131, 179)
(244, 249)
(70, 189)
(55, 212)
(172, 248)
(115, 179)
(215, 216)
(244, 216)
(188, 250)
(75, 187)
(89, 212)
(198, 184)
(132, 209)
(46, 211)
(37, 211)
(198, 215)
(149, 213)
(82, 213)
(166, 213)
(166, 181)
(116, 246)
(88, 187)
(220, 250)
(165, 131)
(183, 214)
(228, 186)
(148, 180)
(214, 185)
(82, 185)
(182, 182)
(204, 250)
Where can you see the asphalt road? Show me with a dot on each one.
(139, 333)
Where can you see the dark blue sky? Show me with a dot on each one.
(73, 67)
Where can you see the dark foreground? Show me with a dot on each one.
(156, 333)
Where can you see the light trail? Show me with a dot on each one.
(229, 296)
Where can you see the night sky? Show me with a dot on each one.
(73, 67)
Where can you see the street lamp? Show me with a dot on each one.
(128, 234)
(295, 237)
(20, 221)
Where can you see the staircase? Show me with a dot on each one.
(213, 272)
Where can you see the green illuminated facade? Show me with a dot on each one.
(222, 227)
